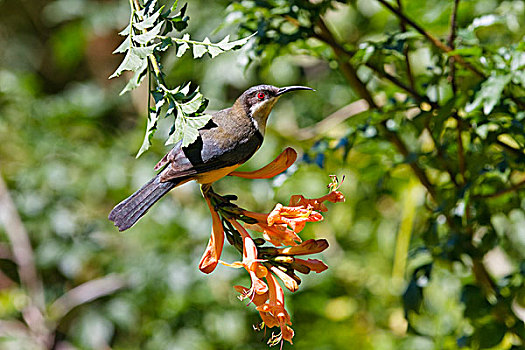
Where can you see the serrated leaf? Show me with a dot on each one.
(132, 61)
(151, 127)
(148, 22)
(199, 121)
(199, 50)
(230, 45)
(193, 105)
(148, 36)
(178, 129)
(186, 89)
(183, 46)
(191, 129)
(125, 46)
(137, 79)
(125, 31)
(144, 51)
(214, 51)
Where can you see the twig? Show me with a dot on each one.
(461, 150)
(85, 293)
(512, 188)
(330, 41)
(333, 120)
(441, 156)
(21, 246)
(350, 73)
(451, 38)
(436, 42)
(34, 312)
(406, 49)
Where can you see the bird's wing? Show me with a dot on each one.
(220, 144)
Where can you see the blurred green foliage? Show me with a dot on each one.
(426, 253)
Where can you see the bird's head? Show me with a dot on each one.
(258, 101)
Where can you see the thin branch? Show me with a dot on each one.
(436, 42)
(406, 49)
(21, 247)
(351, 75)
(85, 293)
(461, 150)
(333, 120)
(513, 188)
(347, 69)
(451, 38)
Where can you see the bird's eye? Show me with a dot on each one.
(261, 95)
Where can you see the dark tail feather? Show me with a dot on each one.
(131, 209)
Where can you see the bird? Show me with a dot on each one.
(227, 141)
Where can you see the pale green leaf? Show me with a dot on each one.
(137, 79)
(193, 105)
(148, 36)
(148, 22)
(225, 45)
(183, 46)
(144, 51)
(132, 61)
(489, 94)
(151, 126)
(125, 46)
(214, 51)
(125, 31)
(199, 50)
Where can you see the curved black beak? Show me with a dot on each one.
(292, 88)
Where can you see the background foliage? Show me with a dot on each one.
(426, 253)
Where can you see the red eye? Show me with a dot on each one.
(261, 95)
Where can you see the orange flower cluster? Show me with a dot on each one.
(265, 263)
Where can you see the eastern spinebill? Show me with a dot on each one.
(229, 139)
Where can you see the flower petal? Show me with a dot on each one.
(277, 166)
(213, 251)
(310, 246)
(316, 203)
(312, 264)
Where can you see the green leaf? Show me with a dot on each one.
(153, 119)
(137, 79)
(148, 22)
(193, 105)
(183, 46)
(148, 36)
(225, 45)
(199, 50)
(131, 62)
(125, 31)
(144, 51)
(489, 94)
(125, 46)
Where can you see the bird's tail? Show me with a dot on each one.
(131, 209)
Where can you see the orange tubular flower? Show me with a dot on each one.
(295, 217)
(273, 313)
(250, 262)
(213, 251)
(276, 234)
(311, 246)
(277, 166)
(316, 203)
(274, 226)
(312, 264)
